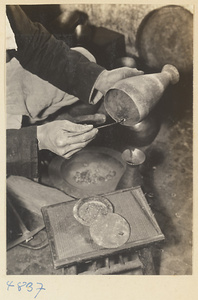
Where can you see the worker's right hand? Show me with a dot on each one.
(64, 138)
(107, 79)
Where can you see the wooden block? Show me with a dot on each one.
(32, 195)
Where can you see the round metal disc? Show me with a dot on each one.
(110, 231)
(87, 210)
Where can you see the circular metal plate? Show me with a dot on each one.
(87, 210)
(90, 172)
(110, 231)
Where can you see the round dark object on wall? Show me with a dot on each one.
(165, 36)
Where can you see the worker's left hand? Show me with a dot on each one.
(64, 138)
(108, 78)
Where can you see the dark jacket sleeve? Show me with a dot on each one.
(22, 152)
(42, 54)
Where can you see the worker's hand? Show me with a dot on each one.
(64, 138)
(108, 78)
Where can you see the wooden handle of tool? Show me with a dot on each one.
(97, 119)
(32, 195)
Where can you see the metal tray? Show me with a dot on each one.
(70, 242)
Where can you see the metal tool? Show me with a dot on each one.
(111, 124)
(26, 234)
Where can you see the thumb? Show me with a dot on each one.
(129, 72)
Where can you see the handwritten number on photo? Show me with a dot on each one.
(29, 286)
(39, 289)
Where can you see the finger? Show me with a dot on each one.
(137, 72)
(128, 72)
(122, 73)
(80, 138)
(75, 148)
(68, 155)
(73, 134)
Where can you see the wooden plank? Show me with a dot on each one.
(32, 195)
(146, 258)
(116, 268)
(70, 270)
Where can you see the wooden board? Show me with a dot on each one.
(70, 242)
(165, 36)
(32, 195)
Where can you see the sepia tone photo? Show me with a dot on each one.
(99, 127)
